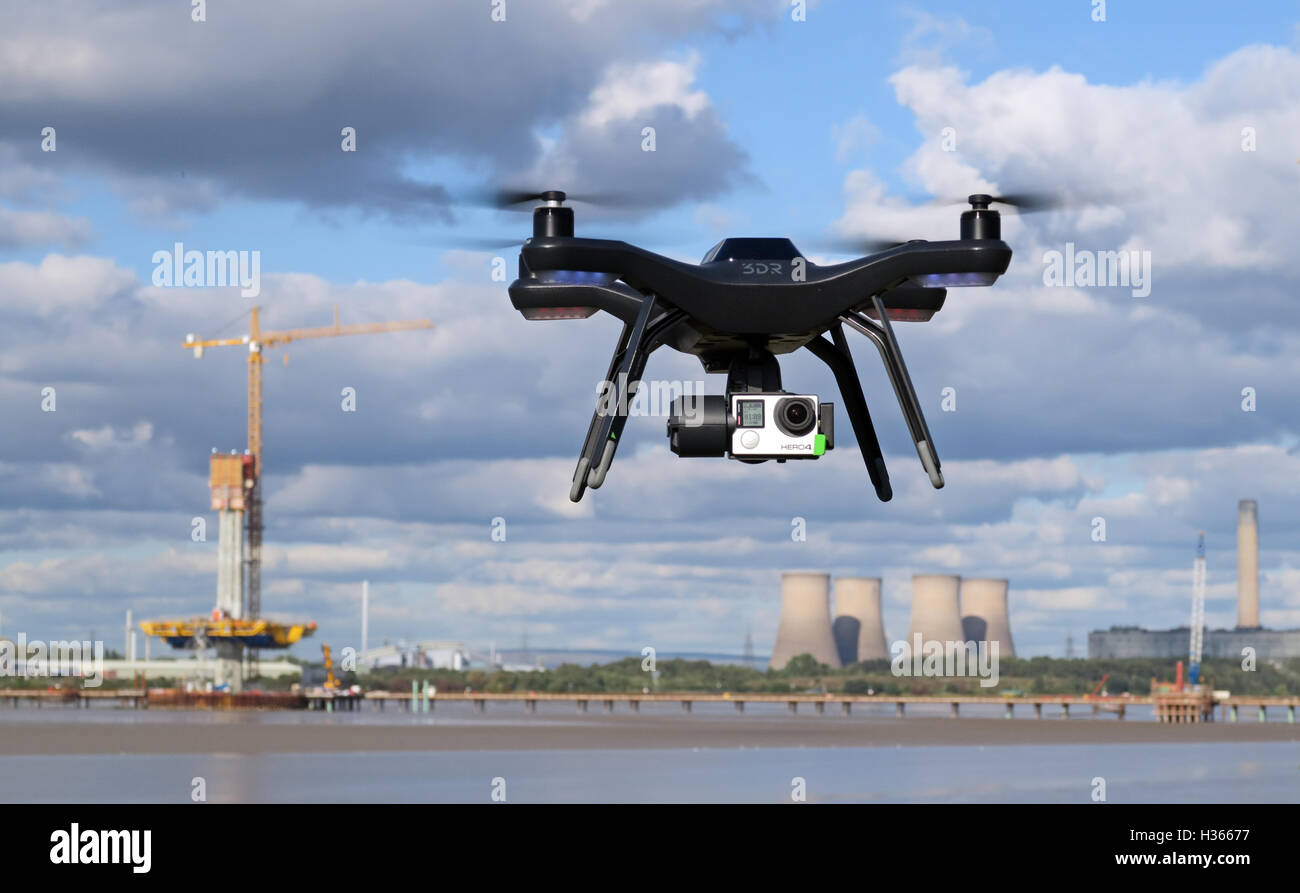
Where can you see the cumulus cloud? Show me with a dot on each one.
(420, 84)
(1201, 174)
(22, 228)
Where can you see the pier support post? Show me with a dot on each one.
(955, 712)
(793, 707)
(635, 705)
(1010, 711)
(686, 706)
(1263, 713)
(821, 708)
(740, 706)
(1065, 710)
(1290, 713)
(609, 706)
(1120, 712)
(845, 708)
(582, 706)
(1233, 714)
(898, 709)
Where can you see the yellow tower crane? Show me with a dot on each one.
(258, 341)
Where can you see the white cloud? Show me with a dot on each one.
(22, 228)
(60, 284)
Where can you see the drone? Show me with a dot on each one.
(749, 301)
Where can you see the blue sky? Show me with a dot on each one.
(1072, 403)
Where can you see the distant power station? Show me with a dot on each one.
(944, 608)
(805, 619)
(1268, 644)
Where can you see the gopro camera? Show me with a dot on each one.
(752, 426)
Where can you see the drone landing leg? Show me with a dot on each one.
(620, 384)
(640, 356)
(840, 361)
(882, 335)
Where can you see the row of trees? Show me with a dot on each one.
(1039, 675)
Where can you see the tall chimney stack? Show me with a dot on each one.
(1247, 564)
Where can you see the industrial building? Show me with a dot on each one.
(1268, 644)
(944, 608)
(424, 655)
(1132, 641)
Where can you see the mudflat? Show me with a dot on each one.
(251, 734)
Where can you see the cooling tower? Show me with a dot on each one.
(984, 614)
(805, 620)
(1247, 564)
(936, 611)
(859, 625)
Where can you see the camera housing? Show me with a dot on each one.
(752, 426)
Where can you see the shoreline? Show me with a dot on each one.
(55, 738)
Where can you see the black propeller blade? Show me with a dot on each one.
(1031, 202)
(859, 247)
(489, 243)
(527, 199)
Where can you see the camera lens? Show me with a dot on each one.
(795, 416)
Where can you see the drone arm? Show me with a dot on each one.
(882, 335)
(840, 361)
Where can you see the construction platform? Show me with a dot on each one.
(201, 631)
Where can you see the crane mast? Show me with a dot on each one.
(1198, 613)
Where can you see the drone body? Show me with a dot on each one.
(749, 301)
